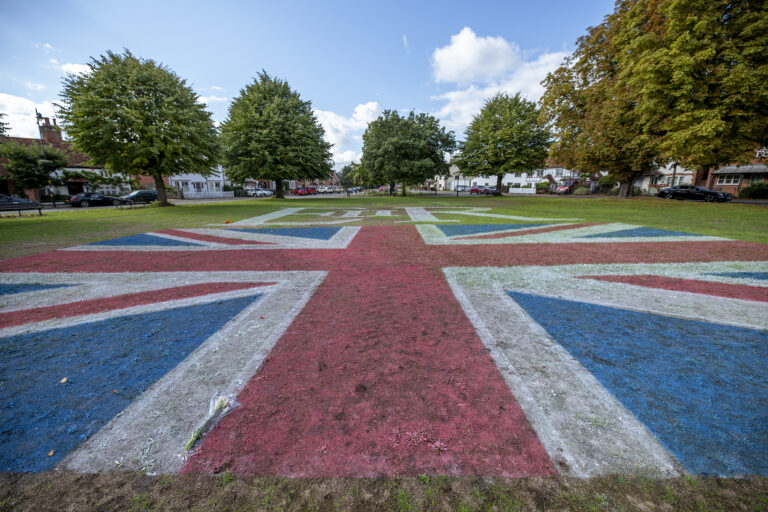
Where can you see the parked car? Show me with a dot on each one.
(14, 200)
(259, 192)
(87, 199)
(480, 190)
(383, 188)
(461, 188)
(693, 192)
(139, 196)
(567, 188)
(299, 192)
(325, 189)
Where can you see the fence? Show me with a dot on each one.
(207, 195)
(518, 190)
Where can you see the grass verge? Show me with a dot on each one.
(138, 492)
(69, 227)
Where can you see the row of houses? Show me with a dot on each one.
(730, 178)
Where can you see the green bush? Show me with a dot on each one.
(581, 191)
(542, 185)
(755, 191)
(527, 185)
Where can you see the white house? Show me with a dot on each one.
(525, 181)
(197, 186)
(667, 176)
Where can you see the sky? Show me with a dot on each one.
(351, 59)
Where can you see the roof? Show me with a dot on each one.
(74, 158)
(743, 169)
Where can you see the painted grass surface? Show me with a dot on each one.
(69, 227)
(122, 491)
(106, 364)
(697, 386)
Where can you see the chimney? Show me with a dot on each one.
(50, 132)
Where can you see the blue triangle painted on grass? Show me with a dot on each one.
(699, 387)
(476, 229)
(318, 233)
(639, 232)
(146, 239)
(11, 288)
(127, 354)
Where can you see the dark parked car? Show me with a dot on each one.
(694, 192)
(87, 199)
(139, 196)
(13, 200)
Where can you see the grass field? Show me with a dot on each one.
(68, 227)
(133, 490)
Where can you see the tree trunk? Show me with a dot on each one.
(403, 189)
(625, 189)
(162, 197)
(498, 184)
(279, 189)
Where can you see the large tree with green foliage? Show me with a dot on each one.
(505, 137)
(594, 115)
(699, 69)
(406, 150)
(137, 117)
(30, 167)
(271, 134)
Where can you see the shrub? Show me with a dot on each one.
(581, 191)
(755, 191)
(527, 185)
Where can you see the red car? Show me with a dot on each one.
(481, 190)
(299, 192)
(568, 188)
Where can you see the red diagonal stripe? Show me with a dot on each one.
(731, 291)
(211, 238)
(535, 231)
(88, 307)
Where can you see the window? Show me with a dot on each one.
(728, 179)
(198, 186)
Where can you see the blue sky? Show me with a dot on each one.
(350, 59)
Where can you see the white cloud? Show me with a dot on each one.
(474, 59)
(211, 99)
(54, 62)
(405, 42)
(483, 67)
(46, 47)
(34, 87)
(217, 88)
(345, 132)
(76, 69)
(20, 114)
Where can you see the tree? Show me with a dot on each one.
(407, 150)
(136, 117)
(347, 175)
(3, 126)
(31, 166)
(271, 134)
(505, 137)
(594, 115)
(699, 69)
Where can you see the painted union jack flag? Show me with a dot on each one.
(516, 346)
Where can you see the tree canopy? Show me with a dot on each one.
(31, 166)
(406, 150)
(271, 134)
(699, 69)
(135, 116)
(594, 114)
(3, 125)
(663, 81)
(505, 137)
